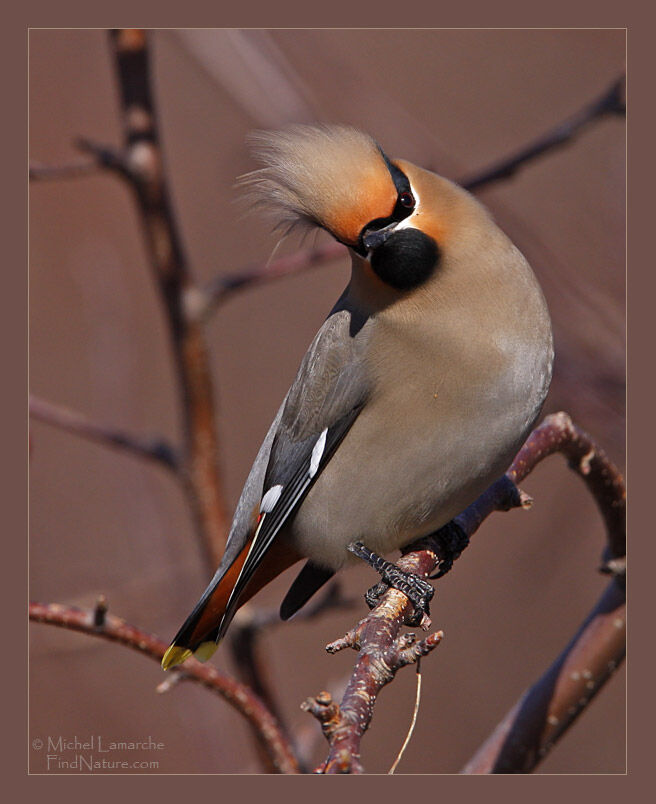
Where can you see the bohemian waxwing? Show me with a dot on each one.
(416, 392)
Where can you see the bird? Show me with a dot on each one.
(414, 396)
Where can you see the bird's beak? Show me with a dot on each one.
(373, 238)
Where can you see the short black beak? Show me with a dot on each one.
(373, 238)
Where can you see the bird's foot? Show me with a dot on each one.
(416, 589)
(447, 543)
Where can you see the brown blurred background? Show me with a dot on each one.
(102, 522)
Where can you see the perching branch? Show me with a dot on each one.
(100, 624)
(552, 704)
(548, 709)
(382, 653)
(154, 449)
(546, 712)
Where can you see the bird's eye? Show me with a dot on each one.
(407, 200)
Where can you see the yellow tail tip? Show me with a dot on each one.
(175, 655)
(205, 651)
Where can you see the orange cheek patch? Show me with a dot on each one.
(373, 196)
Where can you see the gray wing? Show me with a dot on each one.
(331, 383)
(328, 393)
(251, 495)
(329, 390)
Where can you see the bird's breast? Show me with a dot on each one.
(453, 397)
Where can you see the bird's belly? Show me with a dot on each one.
(389, 485)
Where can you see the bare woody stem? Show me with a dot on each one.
(70, 170)
(610, 102)
(106, 626)
(549, 707)
(207, 299)
(141, 164)
(154, 449)
(552, 705)
(222, 288)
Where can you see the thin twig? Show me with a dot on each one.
(262, 722)
(154, 449)
(203, 301)
(376, 636)
(69, 170)
(223, 287)
(413, 723)
(611, 102)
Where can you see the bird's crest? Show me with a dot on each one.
(334, 177)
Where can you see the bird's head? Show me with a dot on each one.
(389, 212)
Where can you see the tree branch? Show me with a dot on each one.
(243, 640)
(545, 712)
(100, 624)
(548, 708)
(597, 649)
(223, 287)
(203, 301)
(154, 449)
(140, 163)
(611, 102)
(70, 170)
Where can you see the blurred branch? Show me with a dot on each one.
(250, 66)
(548, 710)
(244, 641)
(155, 449)
(610, 103)
(543, 713)
(203, 301)
(552, 704)
(70, 170)
(223, 287)
(239, 696)
(140, 163)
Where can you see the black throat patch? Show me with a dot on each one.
(406, 259)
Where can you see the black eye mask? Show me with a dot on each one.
(405, 204)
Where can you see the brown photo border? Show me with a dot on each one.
(640, 363)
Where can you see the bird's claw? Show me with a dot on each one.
(416, 589)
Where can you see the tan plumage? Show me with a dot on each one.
(319, 176)
(423, 381)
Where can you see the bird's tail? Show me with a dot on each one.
(201, 631)
(204, 628)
